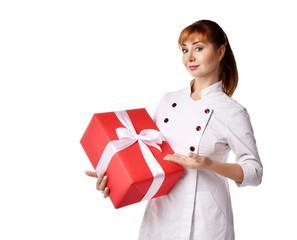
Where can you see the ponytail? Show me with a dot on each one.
(228, 70)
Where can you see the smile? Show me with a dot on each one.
(193, 67)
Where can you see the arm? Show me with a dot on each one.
(229, 170)
(241, 139)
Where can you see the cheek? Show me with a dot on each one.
(184, 60)
(205, 58)
(208, 60)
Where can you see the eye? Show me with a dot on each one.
(184, 50)
(198, 49)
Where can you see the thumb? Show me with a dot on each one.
(91, 174)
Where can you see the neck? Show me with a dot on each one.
(198, 84)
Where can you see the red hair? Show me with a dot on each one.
(209, 31)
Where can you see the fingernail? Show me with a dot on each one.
(190, 154)
(106, 189)
(102, 173)
(105, 178)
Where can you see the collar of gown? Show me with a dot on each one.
(214, 88)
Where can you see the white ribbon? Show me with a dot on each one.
(127, 137)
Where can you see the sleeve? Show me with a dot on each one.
(241, 139)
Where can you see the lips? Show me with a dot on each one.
(193, 67)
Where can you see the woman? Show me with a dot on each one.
(202, 123)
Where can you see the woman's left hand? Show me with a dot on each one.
(193, 162)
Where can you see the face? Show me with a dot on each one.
(201, 59)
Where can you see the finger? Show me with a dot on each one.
(102, 185)
(175, 158)
(106, 192)
(181, 156)
(186, 159)
(91, 173)
(99, 180)
(194, 155)
(168, 157)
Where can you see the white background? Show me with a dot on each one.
(61, 61)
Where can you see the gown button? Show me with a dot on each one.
(198, 128)
(206, 110)
(174, 105)
(192, 148)
(166, 120)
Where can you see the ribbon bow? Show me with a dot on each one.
(147, 136)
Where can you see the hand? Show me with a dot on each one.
(193, 162)
(101, 182)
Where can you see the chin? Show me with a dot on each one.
(195, 75)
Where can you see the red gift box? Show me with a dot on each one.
(127, 145)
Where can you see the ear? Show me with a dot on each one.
(221, 52)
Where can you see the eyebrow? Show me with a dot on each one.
(192, 43)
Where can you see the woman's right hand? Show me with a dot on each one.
(101, 182)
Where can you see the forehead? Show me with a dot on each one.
(193, 37)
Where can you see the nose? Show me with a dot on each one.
(191, 56)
